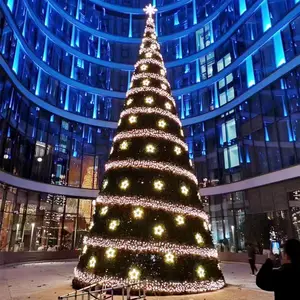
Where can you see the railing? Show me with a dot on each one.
(100, 291)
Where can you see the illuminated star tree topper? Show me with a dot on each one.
(150, 10)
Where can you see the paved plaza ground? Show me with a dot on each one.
(48, 280)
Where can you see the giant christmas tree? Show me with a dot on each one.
(149, 226)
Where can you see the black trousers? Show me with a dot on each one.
(252, 265)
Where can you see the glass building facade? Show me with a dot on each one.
(65, 66)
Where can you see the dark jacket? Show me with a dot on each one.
(251, 252)
(284, 281)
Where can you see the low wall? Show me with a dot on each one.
(20, 257)
(240, 257)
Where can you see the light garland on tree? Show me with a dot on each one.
(104, 184)
(150, 111)
(151, 247)
(145, 61)
(153, 204)
(152, 76)
(163, 72)
(149, 50)
(171, 287)
(150, 89)
(153, 165)
(150, 133)
(152, 41)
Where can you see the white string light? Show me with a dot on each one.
(149, 50)
(163, 86)
(149, 61)
(153, 204)
(146, 164)
(170, 287)
(150, 111)
(152, 76)
(150, 133)
(151, 247)
(150, 90)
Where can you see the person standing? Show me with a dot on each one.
(284, 281)
(252, 257)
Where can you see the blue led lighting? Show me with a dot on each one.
(249, 71)
(194, 12)
(15, 66)
(266, 21)
(267, 138)
(198, 78)
(216, 96)
(176, 19)
(66, 107)
(278, 49)
(179, 49)
(248, 160)
(95, 106)
(242, 6)
(130, 26)
(10, 4)
(38, 83)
